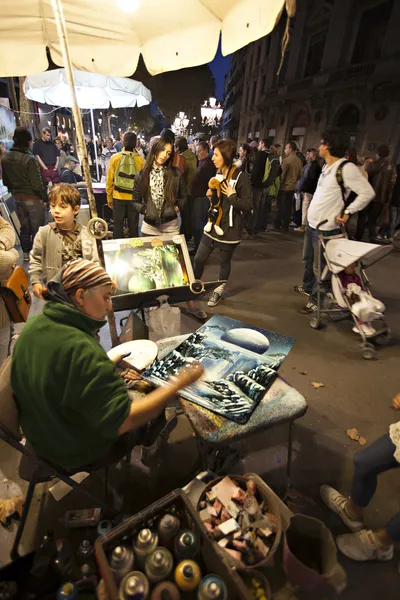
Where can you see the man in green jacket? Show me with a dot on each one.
(73, 405)
(21, 174)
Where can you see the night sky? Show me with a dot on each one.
(219, 67)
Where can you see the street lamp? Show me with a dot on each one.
(180, 124)
(211, 112)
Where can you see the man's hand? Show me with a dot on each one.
(396, 401)
(208, 193)
(342, 219)
(37, 289)
(110, 204)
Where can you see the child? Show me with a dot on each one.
(61, 241)
(363, 305)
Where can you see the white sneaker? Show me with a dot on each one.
(368, 330)
(362, 546)
(336, 502)
(300, 229)
(215, 299)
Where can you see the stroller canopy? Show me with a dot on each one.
(342, 253)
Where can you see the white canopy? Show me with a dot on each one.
(170, 34)
(343, 252)
(92, 90)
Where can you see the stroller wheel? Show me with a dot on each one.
(383, 338)
(369, 352)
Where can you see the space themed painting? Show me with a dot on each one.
(240, 364)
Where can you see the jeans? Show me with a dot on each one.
(371, 214)
(124, 209)
(285, 205)
(310, 259)
(368, 464)
(199, 218)
(304, 210)
(394, 219)
(31, 215)
(203, 253)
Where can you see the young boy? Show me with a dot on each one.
(57, 243)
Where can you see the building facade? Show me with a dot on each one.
(341, 68)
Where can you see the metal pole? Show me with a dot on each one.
(80, 137)
(95, 144)
(14, 103)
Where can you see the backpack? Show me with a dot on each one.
(340, 180)
(125, 172)
(274, 187)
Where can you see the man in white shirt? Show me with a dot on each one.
(328, 204)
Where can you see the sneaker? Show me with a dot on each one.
(300, 290)
(309, 308)
(215, 299)
(300, 229)
(368, 330)
(363, 546)
(26, 256)
(336, 502)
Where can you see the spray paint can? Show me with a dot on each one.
(122, 560)
(145, 543)
(168, 529)
(159, 565)
(187, 575)
(212, 588)
(104, 527)
(166, 591)
(85, 551)
(68, 591)
(186, 545)
(134, 586)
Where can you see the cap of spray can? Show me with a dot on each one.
(122, 560)
(166, 591)
(212, 587)
(159, 565)
(145, 543)
(68, 591)
(168, 528)
(186, 545)
(187, 575)
(134, 586)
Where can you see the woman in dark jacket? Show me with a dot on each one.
(159, 192)
(235, 200)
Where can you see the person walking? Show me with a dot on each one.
(364, 544)
(159, 192)
(328, 204)
(381, 177)
(8, 258)
(181, 147)
(308, 184)
(235, 199)
(258, 187)
(107, 153)
(48, 157)
(205, 170)
(271, 182)
(21, 174)
(121, 173)
(291, 173)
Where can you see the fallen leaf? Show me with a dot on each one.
(317, 384)
(8, 506)
(303, 372)
(354, 435)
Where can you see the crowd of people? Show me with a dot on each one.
(214, 194)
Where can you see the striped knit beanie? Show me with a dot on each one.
(81, 273)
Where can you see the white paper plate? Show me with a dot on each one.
(143, 352)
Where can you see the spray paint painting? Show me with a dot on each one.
(240, 364)
(139, 265)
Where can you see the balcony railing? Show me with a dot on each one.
(359, 71)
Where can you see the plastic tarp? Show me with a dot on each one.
(92, 90)
(170, 34)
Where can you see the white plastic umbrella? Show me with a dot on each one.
(107, 36)
(92, 90)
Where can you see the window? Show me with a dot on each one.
(255, 92)
(315, 53)
(371, 33)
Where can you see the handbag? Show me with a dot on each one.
(16, 295)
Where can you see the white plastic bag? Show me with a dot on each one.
(163, 321)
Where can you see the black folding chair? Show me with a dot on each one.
(32, 468)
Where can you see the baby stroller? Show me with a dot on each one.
(340, 253)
